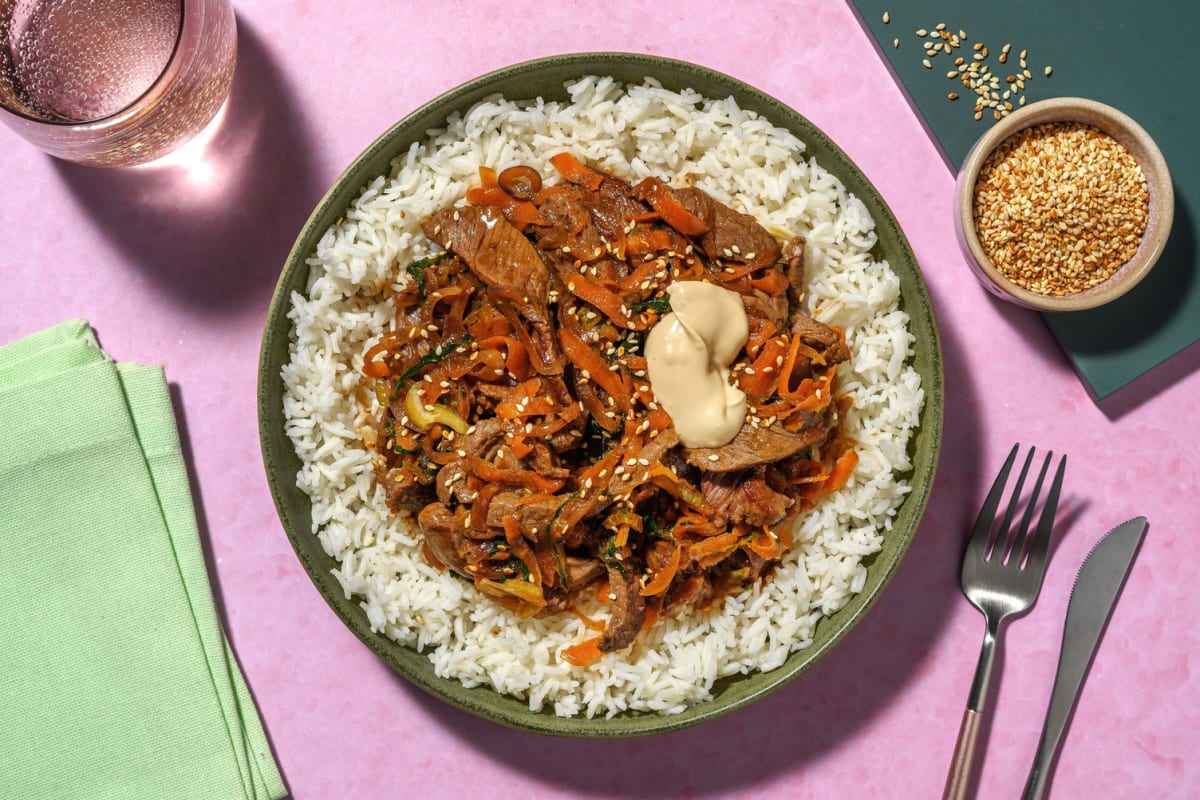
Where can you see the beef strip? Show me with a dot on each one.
(582, 571)
(444, 535)
(532, 516)
(752, 447)
(731, 236)
(820, 337)
(505, 260)
(775, 309)
(743, 497)
(569, 223)
(405, 490)
(628, 605)
(792, 257)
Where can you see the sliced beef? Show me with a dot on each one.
(792, 258)
(775, 309)
(500, 255)
(582, 571)
(732, 235)
(740, 497)
(569, 223)
(628, 605)
(822, 338)
(443, 534)
(752, 447)
(531, 515)
(612, 206)
(405, 489)
(492, 248)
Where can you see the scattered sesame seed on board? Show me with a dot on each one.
(886, 18)
(976, 74)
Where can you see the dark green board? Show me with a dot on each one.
(1119, 53)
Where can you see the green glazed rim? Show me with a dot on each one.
(546, 78)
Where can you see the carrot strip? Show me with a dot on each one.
(663, 200)
(662, 579)
(513, 477)
(575, 172)
(583, 654)
(607, 301)
(714, 549)
(521, 548)
(843, 468)
(521, 213)
(593, 366)
(773, 282)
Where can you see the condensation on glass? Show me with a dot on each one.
(114, 82)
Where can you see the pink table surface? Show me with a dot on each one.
(176, 266)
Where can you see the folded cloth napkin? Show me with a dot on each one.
(116, 680)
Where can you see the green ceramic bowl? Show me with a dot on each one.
(545, 78)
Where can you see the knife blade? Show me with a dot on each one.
(1093, 596)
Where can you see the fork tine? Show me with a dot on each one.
(1003, 544)
(1041, 540)
(977, 544)
(1017, 552)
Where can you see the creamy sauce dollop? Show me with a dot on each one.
(688, 353)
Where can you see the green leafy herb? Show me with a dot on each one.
(660, 304)
(416, 270)
(432, 357)
(404, 450)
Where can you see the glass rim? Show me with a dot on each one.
(124, 110)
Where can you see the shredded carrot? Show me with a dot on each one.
(588, 622)
(575, 172)
(513, 477)
(608, 302)
(843, 468)
(773, 282)
(712, 550)
(662, 579)
(595, 369)
(763, 544)
(521, 549)
(521, 213)
(673, 212)
(583, 654)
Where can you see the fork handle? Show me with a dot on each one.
(959, 778)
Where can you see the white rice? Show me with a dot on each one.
(632, 132)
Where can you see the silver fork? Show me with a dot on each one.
(1001, 576)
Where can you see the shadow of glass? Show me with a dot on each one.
(809, 718)
(211, 224)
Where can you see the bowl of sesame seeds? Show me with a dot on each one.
(1063, 205)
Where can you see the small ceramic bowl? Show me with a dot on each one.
(1121, 128)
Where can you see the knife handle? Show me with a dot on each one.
(959, 779)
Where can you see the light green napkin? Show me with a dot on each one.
(116, 680)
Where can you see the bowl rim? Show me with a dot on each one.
(730, 693)
(1119, 126)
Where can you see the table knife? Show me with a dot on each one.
(1092, 599)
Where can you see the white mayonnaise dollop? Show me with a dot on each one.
(688, 354)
